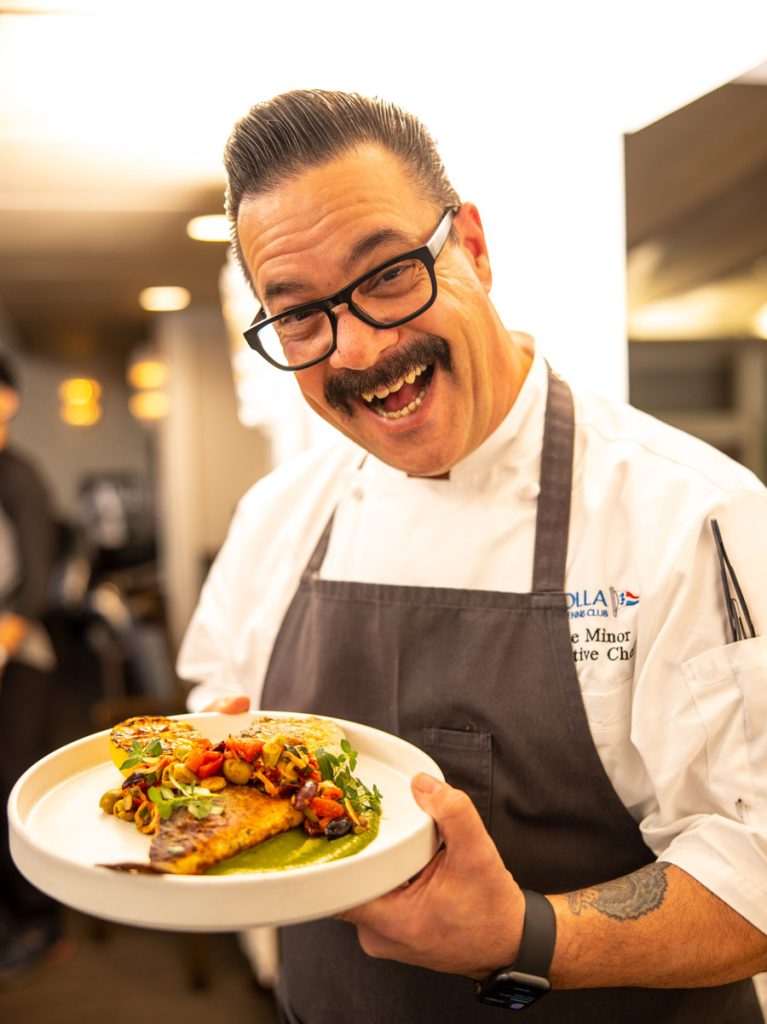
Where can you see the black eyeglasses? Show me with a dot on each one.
(389, 295)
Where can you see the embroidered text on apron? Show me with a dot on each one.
(485, 683)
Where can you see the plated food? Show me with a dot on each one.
(202, 803)
(61, 840)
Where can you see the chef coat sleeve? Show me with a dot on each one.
(229, 641)
(700, 713)
(206, 653)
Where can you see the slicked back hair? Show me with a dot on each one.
(280, 139)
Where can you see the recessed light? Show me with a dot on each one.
(212, 228)
(79, 391)
(164, 299)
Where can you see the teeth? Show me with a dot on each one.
(391, 389)
(410, 407)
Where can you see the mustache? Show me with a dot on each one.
(342, 387)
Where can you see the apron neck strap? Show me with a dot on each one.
(553, 516)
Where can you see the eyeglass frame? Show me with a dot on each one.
(428, 254)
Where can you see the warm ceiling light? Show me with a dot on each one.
(79, 390)
(81, 414)
(147, 373)
(149, 405)
(164, 299)
(760, 322)
(212, 228)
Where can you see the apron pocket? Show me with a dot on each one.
(466, 759)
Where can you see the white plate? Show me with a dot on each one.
(59, 837)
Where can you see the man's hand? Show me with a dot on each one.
(229, 705)
(463, 914)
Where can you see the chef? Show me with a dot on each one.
(521, 581)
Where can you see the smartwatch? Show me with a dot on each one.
(526, 980)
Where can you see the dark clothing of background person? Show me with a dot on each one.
(28, 916)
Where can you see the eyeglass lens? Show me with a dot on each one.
(395, 293)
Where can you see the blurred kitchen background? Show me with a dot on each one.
(619, 161)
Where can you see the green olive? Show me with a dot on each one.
(109, 799)
(236, 770)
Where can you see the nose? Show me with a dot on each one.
(358, 345)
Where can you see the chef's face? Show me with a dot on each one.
(450, 372)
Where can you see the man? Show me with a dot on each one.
(29, 926)
(530, 594)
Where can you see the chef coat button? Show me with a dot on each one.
(530, 490)
(357, 492)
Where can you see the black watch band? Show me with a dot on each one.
(524, 982)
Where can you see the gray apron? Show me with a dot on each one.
(485, 683)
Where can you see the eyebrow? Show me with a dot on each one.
(371, 242)
(277, 289)
(364, 247)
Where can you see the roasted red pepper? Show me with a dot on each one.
(331, 793)
(204, 762)
(248, 750)
(326, 808)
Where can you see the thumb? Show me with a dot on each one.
(453, 812)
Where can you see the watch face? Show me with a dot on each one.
(512, 995)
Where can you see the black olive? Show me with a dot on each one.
(338, 827)
(136, 779)
(305, 794)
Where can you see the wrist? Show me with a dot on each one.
(526, 979)
(502, 935)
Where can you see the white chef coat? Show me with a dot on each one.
(678, 714)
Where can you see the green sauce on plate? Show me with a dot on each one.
(294, 849)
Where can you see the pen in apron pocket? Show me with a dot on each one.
(738, 616)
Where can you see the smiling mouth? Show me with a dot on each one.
(396, 386)
(402, 397)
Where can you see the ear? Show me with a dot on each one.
(468, 224)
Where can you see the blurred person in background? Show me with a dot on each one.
(29, 920)
(521, 580)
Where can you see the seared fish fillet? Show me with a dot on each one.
(185, 845)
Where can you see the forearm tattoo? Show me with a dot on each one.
(627, 898)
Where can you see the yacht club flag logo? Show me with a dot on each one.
(622, 599)
(599, 603)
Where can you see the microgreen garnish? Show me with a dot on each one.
(198, 800)
(338, 768)
(140, 752)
